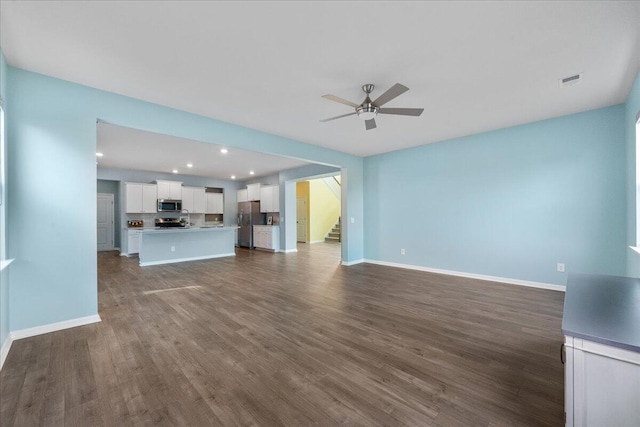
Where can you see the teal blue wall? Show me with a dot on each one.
(632, 106)
(52, 186)
(509, 203)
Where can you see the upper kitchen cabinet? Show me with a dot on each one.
(140, 198)
(253, 192)
(270, 199)
(171, 190)
(243, 196)
(193, 199)
(215, 203)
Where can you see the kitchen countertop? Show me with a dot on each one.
(185, 229)
(603, 309)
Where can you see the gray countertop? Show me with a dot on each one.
(603, 309)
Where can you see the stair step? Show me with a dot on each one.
(334, 235)
(332, 239)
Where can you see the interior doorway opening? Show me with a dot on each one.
(108, 215)
(318, 210)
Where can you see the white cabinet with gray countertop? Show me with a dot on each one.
(601, 324)
(266, 237)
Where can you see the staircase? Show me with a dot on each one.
(334, 235)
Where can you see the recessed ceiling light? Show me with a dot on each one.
(233, 177)
(99, 154)
(175, 171)
(251, 173)
(224, 150)
(189, 165)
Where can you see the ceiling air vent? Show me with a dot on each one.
(571, 80)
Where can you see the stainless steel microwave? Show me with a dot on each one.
(165, 205)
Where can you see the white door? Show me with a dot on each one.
(105, 222)
(301, 219)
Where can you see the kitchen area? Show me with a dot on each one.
(166, 199)
(166, 222)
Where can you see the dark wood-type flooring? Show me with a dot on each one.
(296, 339)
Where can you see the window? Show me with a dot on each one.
(637, 181)
(3, 204)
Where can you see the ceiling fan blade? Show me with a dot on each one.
(340, 100)
(337, 117)
(401, 111)
(370, 124)
(393, 92)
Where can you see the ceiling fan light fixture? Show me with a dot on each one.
(367, 112)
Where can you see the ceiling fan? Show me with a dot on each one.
(368, 110)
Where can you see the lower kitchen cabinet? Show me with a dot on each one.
(602, 384)
(266, 237)
(133, 241)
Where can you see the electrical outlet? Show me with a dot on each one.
(401, 251)
(353, 220)
(561, 267)
(173, 248)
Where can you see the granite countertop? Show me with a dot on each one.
(603, 309)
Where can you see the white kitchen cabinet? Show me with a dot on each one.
(602, 384)
(266, 199)
(253, 192)
(133, 241)
(266, 237)
(243, 195)
(215, 203)
(199, 200)
(276, 198)
(140, 198)
(149, 198)
(171, 190)
(270, 199)
(194, 199)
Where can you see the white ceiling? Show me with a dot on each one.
(473, 66)
(126, 148)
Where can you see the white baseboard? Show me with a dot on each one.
(195, 258)
(518, 282)
(53, 327)
(4, 350)
(288, 251)
(358, 261)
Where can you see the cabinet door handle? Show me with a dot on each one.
(562, 358)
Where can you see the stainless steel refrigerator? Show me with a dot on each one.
(248, 216)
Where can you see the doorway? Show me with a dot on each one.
(301, 219)
(105, 225)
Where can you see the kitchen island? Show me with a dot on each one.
(169, 245)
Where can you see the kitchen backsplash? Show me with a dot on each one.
(150, 219)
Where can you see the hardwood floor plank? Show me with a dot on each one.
(295, 339)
